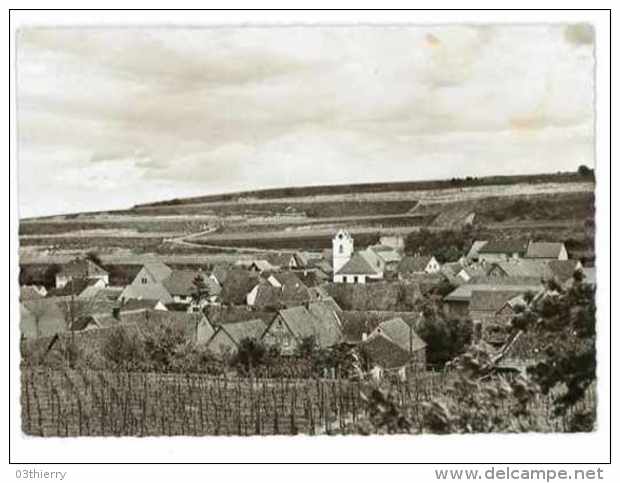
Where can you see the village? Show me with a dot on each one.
(297, 304)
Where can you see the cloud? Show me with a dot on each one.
(189, 111)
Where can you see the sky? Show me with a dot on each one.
(112, 117)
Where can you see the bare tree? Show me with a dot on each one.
(38, 308)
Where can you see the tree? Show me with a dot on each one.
(445, 339)
(585, 171)
(202, 292)
(251, 353)
(564, 323)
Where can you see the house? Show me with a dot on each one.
(227, 337)
(82, 268)
(282, 260)
(389, 258)
(293, 325)
(518, 268)
(181, 285)
(457, 302)
(393, 346)
(195, 327)
(486, 305)
(418, 264)
(498, 250)
(239, 283)
(546, 251)
(78, 287)
(563, 270)
(259, 266)
(356, 270)
(350, 266)
(135, 305)
(148, 283)
(280, 289)
(222, 314)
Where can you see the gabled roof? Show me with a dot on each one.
(81, 268)
(219, 315)
(74, 287)
(491, 300)
(522, 268)
(383, 352)
(464, 292)
(290, 292)
(414, 263)
(181, 282)
(302, 323)
(357, 265)
(159, 270)
(263, 265)
(387, 254)
(238, 284)
(401, 333)
(244, 329)
(135, 304)
(544, 249)
(279, 259)
(508, 246)
(150, 291)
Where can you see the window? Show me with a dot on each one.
(144, 280)
(355, 279)
(341, 249)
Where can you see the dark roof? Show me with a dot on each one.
(74, 287)
(81, 268)
(544, 249)
(135, 304)
(356, 323)
(357, 265)
(491, 300)
(382, 351)
(292, 292)
(279, 259)
(464, 292)
(508, 246)
(413, 264)
(245, 329)
(238, 284)
(522, 268)
(181, 282)
(303, 323)
(401, 333)
(227, 315)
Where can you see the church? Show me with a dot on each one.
(362, 266)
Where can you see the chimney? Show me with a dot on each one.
(364, 336)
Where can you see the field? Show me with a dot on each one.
(86, 403)
(306, 218)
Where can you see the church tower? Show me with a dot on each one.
(342, 249)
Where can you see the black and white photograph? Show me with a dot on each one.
(256, 230)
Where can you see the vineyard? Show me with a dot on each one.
(90, 403)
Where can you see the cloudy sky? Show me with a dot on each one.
(112, 117)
